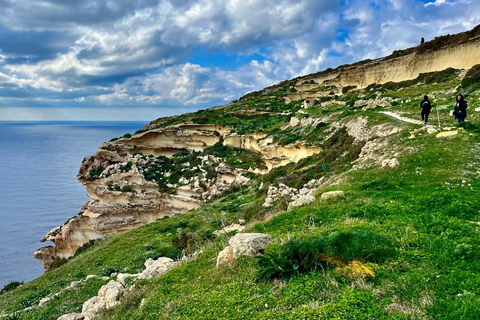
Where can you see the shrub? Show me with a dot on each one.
(472, 76)
(187, 240)
(127, 135)
(57, 263)
(85, 247)
(12, 285)
(317, 252)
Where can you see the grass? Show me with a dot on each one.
(418, 223)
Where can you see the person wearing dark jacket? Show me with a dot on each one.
(460, 111)
(426, 107)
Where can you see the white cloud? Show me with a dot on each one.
(135, 52)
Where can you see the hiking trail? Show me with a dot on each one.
(399, 117)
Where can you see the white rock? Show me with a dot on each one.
(304, 191)
(225, 257)
(447, 134)
(249, 243)
(391, 163)
(332, 194)
(122, 276)
(241, 222)
(110, 293)
(44, 301)
(155, 268)
(93, 305)
(301, 200)
(72, 316)
(230, 228)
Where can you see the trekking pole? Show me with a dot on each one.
(438, 117)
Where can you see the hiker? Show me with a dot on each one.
(422, 41)
(426, 107)
(460, 111)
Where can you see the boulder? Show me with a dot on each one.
(155, 268)
(122, 276)
(225, 257)
(72, 316)
(390, 163)
(249, 243)
(108, 297)
(92, 306)
(446, 134)
(301, 200)
(44, 301)
(332, 194)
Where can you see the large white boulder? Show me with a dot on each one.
(155, 268)
(332, 194)
(249, 244)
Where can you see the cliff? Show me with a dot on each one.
(174, 165)
(137, 180)
(345, 206)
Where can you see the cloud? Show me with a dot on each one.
(136, 53)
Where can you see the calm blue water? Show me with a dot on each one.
(38, 187)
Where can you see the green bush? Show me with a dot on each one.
(187, 240)
(57, 263)
(472, 76)
(12, 285)
(307, 254)
(85, 246)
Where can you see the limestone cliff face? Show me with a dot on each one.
(137, 180)
(459, 56)
(164, 171)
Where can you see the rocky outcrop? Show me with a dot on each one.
(109, 294)
(294, 196)
(459, 56)
(249, 244)
(162, 172)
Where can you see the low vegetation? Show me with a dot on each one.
(401, 244)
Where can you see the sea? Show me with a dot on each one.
(39, 162)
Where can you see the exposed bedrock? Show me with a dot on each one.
(135, 181)
(459, 56)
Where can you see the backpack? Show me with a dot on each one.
(425, 104)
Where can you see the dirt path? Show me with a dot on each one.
(399, 117)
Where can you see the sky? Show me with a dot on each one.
(139, 60)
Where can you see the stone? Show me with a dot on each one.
(230, 228)
(444, 134)
(249, 243)
(225, 257)
(304, 191)
(332, 194)
(72, 316)
(155, 268)
(390, 163)
(122, 276)
(431, 130)
(44, 301)
(93, 305)
(301, 200)
(73, 284)
(241, 222)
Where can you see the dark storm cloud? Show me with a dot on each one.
(33, 46)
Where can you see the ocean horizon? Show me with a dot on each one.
(38, 185)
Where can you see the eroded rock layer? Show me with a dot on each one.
(154, 174)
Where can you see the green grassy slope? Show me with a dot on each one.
(427, 209)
